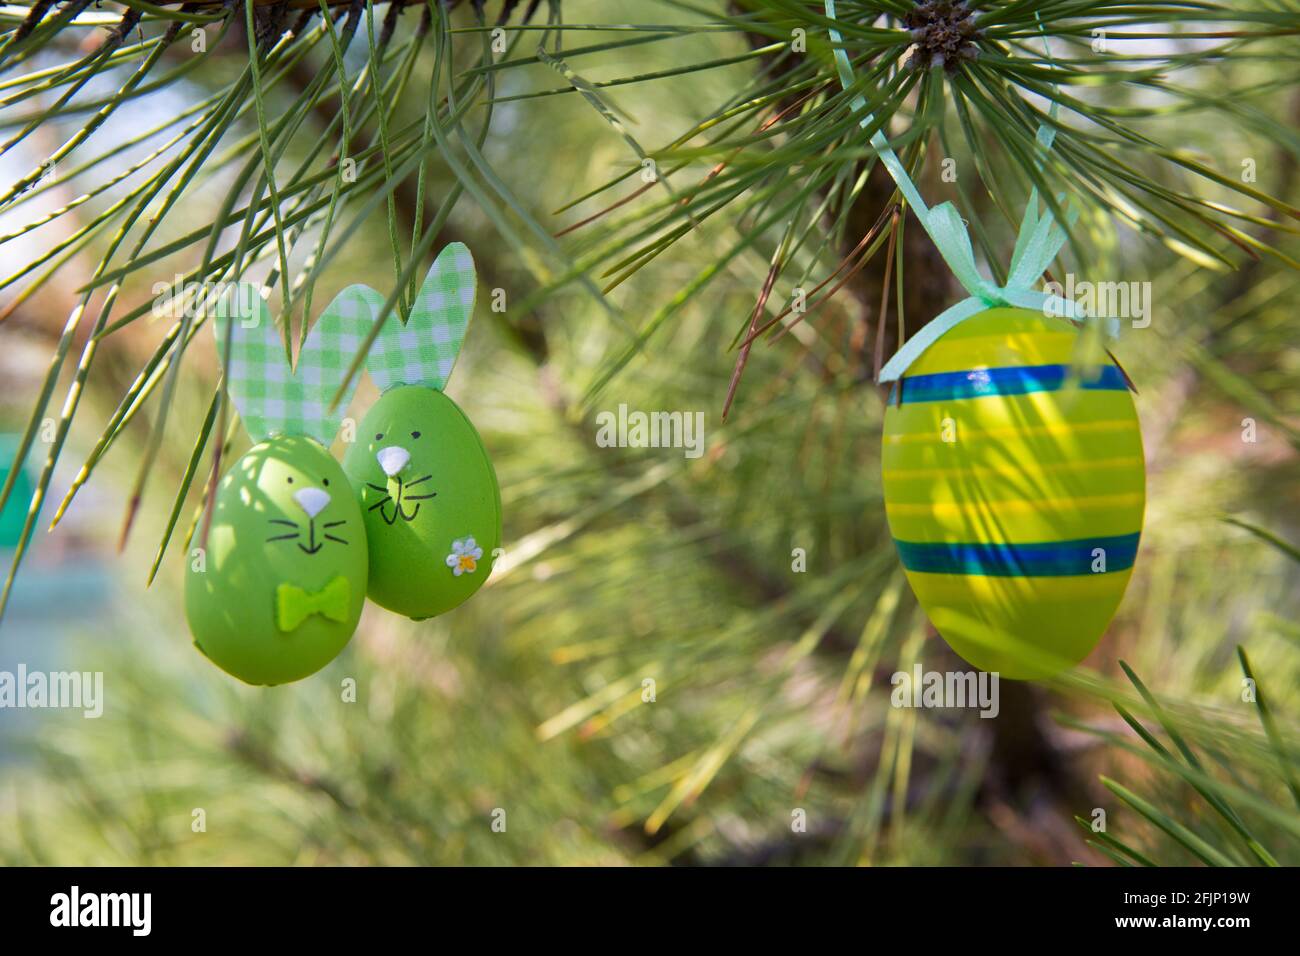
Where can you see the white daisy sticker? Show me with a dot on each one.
(465, 556)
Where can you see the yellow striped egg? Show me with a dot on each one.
(1014, 486)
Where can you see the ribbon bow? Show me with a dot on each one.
(1039, 240)
(293, 605)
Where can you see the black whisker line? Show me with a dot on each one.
(334, 524)
(411, 484)
(419, 497)
(283, 537)
(379, 504)
(330, 537)
(376, 487)
(291, 524)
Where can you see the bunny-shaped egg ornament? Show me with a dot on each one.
(424, 481)
(282, 578)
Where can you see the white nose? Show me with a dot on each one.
(311, 500)
(393, 459)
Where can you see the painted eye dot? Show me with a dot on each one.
(415, 434)
(290, 480)
(379, 437)
(325, 482)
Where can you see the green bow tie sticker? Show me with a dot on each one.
(293, 605)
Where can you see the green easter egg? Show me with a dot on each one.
(278, 591)
(430, 501)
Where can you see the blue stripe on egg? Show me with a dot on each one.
(1012, 380)
(1045, 559)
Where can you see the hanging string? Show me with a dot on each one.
(1038, 242)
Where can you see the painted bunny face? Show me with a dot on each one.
(422, 477)
(282, 581)
(298, 494)
(410, 451)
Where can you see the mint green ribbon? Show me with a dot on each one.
(1039, 240)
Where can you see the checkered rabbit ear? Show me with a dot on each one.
(423, 351)
(272, 398)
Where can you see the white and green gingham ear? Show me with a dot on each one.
(272, 398)
(424, 350)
